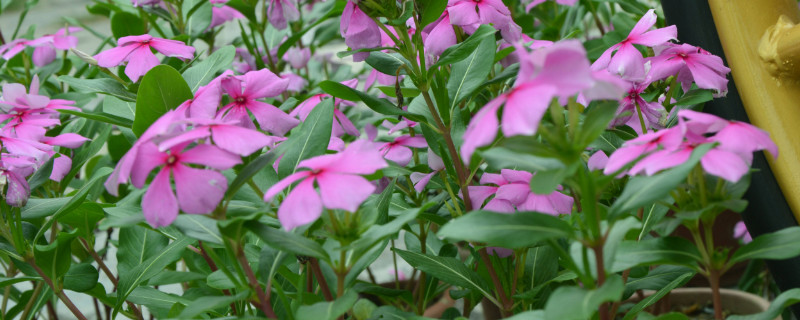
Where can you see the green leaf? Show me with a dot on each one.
(219, 280)
(249, 171)
(462, 50)
(76, 199)
(84, 218)
(202, 73)
(171, 277)
(41, 175)
(156, 301)
(657, 278)
(387, 63)
(596, 122)
(130, 280)
(652, 215)
(199, 227)
(126, 24)
(583, 304)
(694, 97)
(122, 109)
(336, 8)
(449, 270)
(40, 208)
(782, 301)
(287, 241)
(103, 85)
(328, 310)
(205, 303)
(431, 11)
(516, 230)
(644, 190)
(55, 258)
(501, 157)
(308, 140)
(86, 152)
(200, 20)
(376, 234)
(646, 302)
(667, 250)
(136, 245)
(546, 182)
(100, 116)
(378, 105)
(777, 245)
(160, 90)
(81, 277)
(468, 75)
(4, 282)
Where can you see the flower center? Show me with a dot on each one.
(240, 100)
(172, 160)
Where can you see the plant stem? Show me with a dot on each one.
(601, 277)
(498, 286)
(71, 306)
(264, 303)
(421, 294)
(323, 284)
(641, 118)
(37, 290)
(341, 273)
(713, 279)
(451, 147)
(213, 267)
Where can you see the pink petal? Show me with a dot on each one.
(524, 109)
(210, 156)
(283, 184)
(398, 154)
(343, 191)
(302, 206)
(598, 161)
(420, 180)
(263, 84)
(159, 205)
(657, 37)
(199, 191)
(172, 48)
(114, 56)
(647, 21)
(61, 166)
(272, 119)
(554, 204)
(230, 139)
(628, 62)
(360, 157)
(516, 193)
(147, 158)
(724, 164)
(499, 205)
(140, 61)
(482, 129)
(67, 140)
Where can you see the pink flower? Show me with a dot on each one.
(512, 192)
(243, 92)
(136, 51)
(296, 83)
(281, 11)
(227, 136)
(558, 70)
(691, 64)
(46, 46)
(12, 172)
(420, 180)
(652, 112)
(340, 184)
(398, 150)
(199, 190)
(358, 30)
(206, 100)
(628, 61)
(477, 12)
(441, 36)
(297, 58)
(729, 159)
(740, 232)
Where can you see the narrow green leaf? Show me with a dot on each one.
(100, 116)
(516, 230)
(774, 246)
(468, 75)
(782, 301)
(201, 74)
(450, 270)
(462, 50)
(328, 310)
(249, 171)
(667, 250)
(288, 241)
(308, 140)
(199, 227)
(378, 105)
(202, 304)
(102, 85)
(583, 303)
(646, 302)
(149, 268)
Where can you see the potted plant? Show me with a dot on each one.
(519, 154)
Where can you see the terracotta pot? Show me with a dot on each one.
(734, 301)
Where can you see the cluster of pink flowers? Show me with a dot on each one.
(730, 158)
(201, 132)
(26, 117)
(45, 46)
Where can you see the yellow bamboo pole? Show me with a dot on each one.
(768, 85)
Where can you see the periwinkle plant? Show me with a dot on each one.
(519, 160)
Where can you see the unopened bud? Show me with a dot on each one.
(84, 56)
